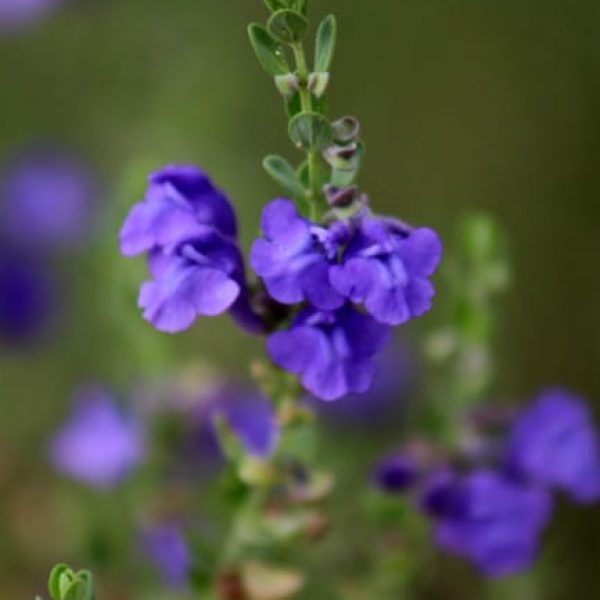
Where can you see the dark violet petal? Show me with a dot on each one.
(188, 185)
(326, 380)
(285, 288)
(184, 291)
(359, 375)
(356, 278)
(317, 287)
(388, 305)
(421, 252)
(245, 316)
(265, 260)
(419, 295)
(281, 223)
(188, 180)
(159, 261)
(297, 349)
(365, 335)
(156, 222)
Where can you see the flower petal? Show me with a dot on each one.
(421, 252)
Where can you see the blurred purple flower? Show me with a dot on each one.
(251, 417)
(168, 551)
(99, 445)
(396, 473)
(16, 14)
(188, 228)
(47, 198)
(27, 296)
(387, 267)
(294, 256)
(332, 352)
(488, 519)
(554, 442)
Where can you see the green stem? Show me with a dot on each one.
(307, 106)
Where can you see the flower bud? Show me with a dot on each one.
(317, 83)
(346, 130)
(287, 84)
(340, 197)
(342, 158)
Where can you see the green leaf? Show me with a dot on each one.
(54, 580)
(284, 174)
(311, 132)
(326, 40)
(65, 584)
(87, 581)
(287, 26)
(267, 50)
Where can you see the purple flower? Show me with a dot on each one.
(47, 198)
(396, 473)
(181, 203)
(188, 228)
(554, 443)
(202, 276)
(98, 445)
(386, 267)
(294, 257)
(488, 519)
(15, 14)
(168, 551)
(331, 351)
(27, 296)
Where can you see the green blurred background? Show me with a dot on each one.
(472, 104)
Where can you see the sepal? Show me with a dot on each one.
(311, 132)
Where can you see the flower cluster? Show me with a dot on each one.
(494, 514)
(188, 230)
(345, 282)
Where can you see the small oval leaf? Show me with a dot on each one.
(267, 50)
(284, 174)
(287, 26)
(326, 41)
(54, 580)
(311, 132)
